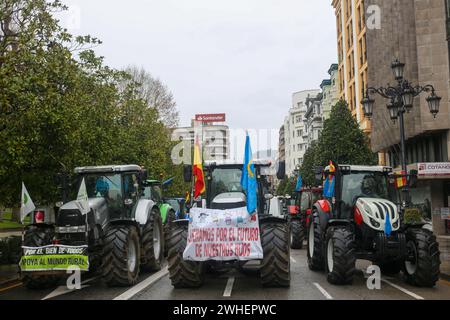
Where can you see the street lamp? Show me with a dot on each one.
(401, 99)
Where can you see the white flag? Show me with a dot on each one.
(27, 204)
(82, 198)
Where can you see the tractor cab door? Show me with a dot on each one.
(131, 193)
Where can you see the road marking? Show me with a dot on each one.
(412, 294)
(11, 287)
(61, 290)
(323, 291)
(293, 260)
(127, 295)
(229, 287)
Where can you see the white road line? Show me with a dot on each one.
(293, 260)
(323, 291)
(61, 290)
(412, 294)
(229, 287)
(127, 295)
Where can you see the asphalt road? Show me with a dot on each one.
(305, 285)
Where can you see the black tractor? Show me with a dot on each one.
(122, 231)
(223, 191)
(357, 220)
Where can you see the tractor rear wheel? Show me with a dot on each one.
(39, 236)
(183, 273)
(297, 234)
(421, 267)
(314, 245)
(121, 255)
(153, 243)
(275, 267)
(340, 256)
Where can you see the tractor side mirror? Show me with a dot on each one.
(187, 173)
(268, 196)
(281, 170)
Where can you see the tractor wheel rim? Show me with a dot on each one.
(156, 241)
(330, 255)
(411, 264)
(131, 261)
(311, 240)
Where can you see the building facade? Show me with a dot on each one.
(295, 136)
(215, 139)
(329, 87)
(352, 55)
(313, 118)
(416, 32)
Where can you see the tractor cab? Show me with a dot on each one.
(223, 185)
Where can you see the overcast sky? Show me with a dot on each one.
(241, 57)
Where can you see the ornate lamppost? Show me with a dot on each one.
(401, 98)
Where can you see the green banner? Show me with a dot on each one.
(56, 257)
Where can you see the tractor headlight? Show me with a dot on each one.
(374, 223)
(395, 225)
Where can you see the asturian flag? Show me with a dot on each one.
(248, 179)
(82, 199)
(27, 204)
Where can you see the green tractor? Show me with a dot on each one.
(154, 191)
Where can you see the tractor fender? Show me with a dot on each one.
(270, 218)
(142, 210)
(323, 212)
(164, 209)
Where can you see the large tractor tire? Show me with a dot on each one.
(315, 245)
(183, 274)
(171, 217)
(340, 256)
(297, 234)
(39, 236)
(421, 267)
(153, 243)
(275, 268)
(121, 255)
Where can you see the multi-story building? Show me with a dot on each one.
(215, 139)
(352, 55)
(313, 118)
(330, 95)
(281, 145)
(416, 32)
(295, 137)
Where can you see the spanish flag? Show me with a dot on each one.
(199, 185)
(400, 180)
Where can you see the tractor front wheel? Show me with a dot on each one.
(421, 267)
(314, 245)
(183, 273)
(121, 255)
(297, 234)
(275, 267)
(340, 256)
(153, 243)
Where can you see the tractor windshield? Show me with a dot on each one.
(225, 180)
(364, 184)
(103, 186)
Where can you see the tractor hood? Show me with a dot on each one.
(69, 214)
(229, 200)
(374, 213)
(94, 204)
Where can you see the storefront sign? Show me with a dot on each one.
(445, 213)
(223, 235)
(434, 169)
(54, 257)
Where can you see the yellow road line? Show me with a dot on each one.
(11, 287)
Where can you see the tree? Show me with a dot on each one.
(310, 162)
(156, 94)
(61, 107)
(341, 140)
